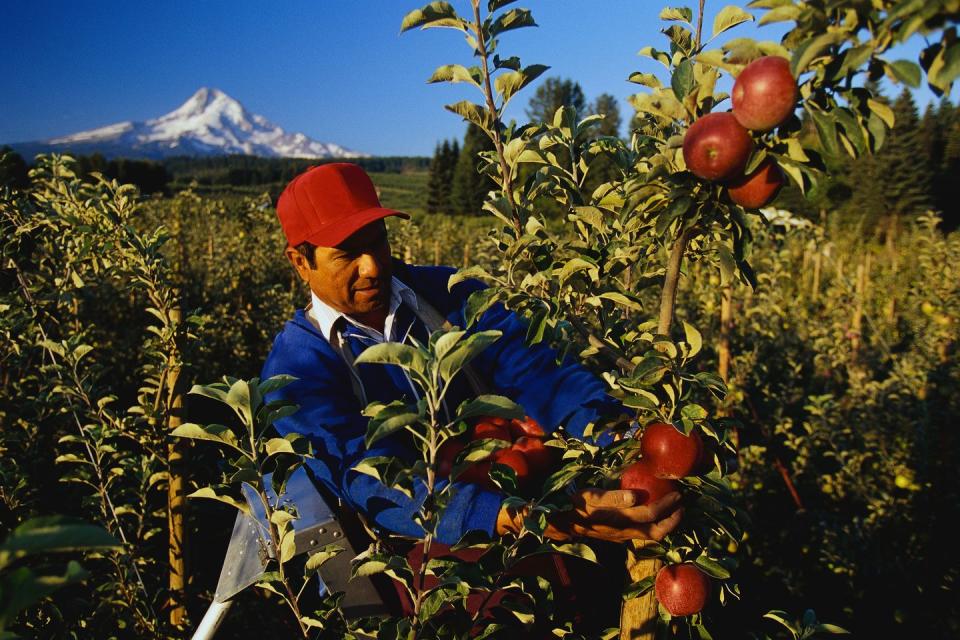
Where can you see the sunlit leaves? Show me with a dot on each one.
(435, 14)
(729, 17)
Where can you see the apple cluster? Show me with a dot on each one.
(668, 454)
(718, 146)
(529, 458)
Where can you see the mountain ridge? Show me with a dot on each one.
(209, 123)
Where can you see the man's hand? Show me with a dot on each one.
(605, 515)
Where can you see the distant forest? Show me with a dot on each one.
(209, 174)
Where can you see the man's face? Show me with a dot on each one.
(353, 277)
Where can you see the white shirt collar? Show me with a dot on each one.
(325, 317)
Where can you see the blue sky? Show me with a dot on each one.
(338, 71)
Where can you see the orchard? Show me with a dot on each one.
(796, 384)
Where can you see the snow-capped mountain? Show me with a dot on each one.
(210, 123)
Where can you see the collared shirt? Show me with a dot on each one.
(324, 317)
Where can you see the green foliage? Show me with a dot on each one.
(21, 587)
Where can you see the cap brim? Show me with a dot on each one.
(333, 234)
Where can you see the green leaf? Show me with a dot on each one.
(465, 351)
(509, 83)
(455, 73)
(316, 559)
(239, 399)
(218, 433)
(575, 265)
(729, 17)
(905, 71)
(712, 568)
(645, 79)
(211, 494)
(785, 13)
(639, 588)
(471, 112)
(681, 14)
(622, 299)
(693, 338)
(827, 132)
(677, 208)
(402, 355)
(274, 383)
(389, 420)
(682, 79)
(883, 111)
(493, 5)
(490, 405)
(478, 302)
(435, 14)
(513, 19)
(810, 49)
(49, 534)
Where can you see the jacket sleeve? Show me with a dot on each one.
(330, 415)
(554, 394)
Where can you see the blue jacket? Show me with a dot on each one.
(330, 413)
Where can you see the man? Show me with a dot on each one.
(337, 242)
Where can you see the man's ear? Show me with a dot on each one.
(299, 262)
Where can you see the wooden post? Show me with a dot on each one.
(466, 255)
(726, 318)
(176, 493)
(436, 251)
(817, 262)
(856, 324)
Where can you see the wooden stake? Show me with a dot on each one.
(436, 251)
(817, 262)
(466, 255)
(176, 492)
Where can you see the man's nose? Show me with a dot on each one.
(369, 266)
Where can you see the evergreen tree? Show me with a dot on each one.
(442, 168)
(13, 170)
(606, 105)
(553, 94)
(946, 187)
(469, 186)
(435, 187)
(894, 183)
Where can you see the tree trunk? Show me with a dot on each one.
(638, 617)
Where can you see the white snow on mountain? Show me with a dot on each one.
(209, 123)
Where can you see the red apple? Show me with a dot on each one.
(489, 430)
(516, 461)
(539, 457)
(526, 427)
(500, 422)
(759, 188)
(716, 147)
(682, 589)
(670, 453)
(764, 94)
(639, 476)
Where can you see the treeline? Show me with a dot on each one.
(240, 171)
(174, 174)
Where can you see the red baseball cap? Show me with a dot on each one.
(327, 204)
